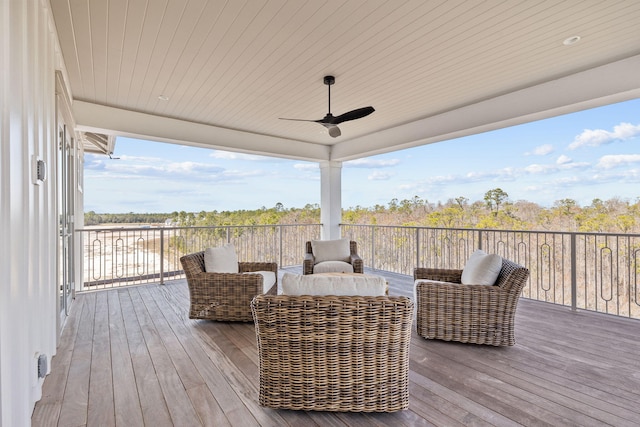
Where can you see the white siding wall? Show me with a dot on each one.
(28, 225)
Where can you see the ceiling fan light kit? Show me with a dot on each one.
(330, 121)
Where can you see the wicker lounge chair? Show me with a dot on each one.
(479, 314)
(310, 261)
(333, 353)
(224, 296)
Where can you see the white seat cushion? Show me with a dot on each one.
(333, 267)
(334, 284)
(481, 269)
(331, 250)
(268, 279)
(222, 259)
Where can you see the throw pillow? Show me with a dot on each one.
(331, 250)
(222, 259)
(333, 284)
(481, 269)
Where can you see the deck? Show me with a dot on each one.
(132, 357)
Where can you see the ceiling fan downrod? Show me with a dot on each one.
(329, 80)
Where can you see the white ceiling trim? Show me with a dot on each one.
(102, 119)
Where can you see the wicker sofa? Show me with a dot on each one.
(333, 353)
(479, 314)
(224, 296)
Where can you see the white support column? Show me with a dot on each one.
(330, 199)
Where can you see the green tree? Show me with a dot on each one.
(494, 198)
(461, 202)
(566, 206)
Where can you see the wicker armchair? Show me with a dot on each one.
(224, 296)
(333, 353)
(354, 259)
(479, 314)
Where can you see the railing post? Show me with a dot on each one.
(373, 246)
(574, 274)
(280, 245)
(418, 247)
(162, 256)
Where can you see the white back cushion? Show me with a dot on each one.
(331, 250)
(222, 259)
(333, 284)
(481, 269)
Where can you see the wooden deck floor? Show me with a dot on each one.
(132, 357)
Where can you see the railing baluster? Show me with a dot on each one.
(417, 237)
(373, 246)
(161, 256)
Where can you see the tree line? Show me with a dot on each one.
(495, 211)
(93, 218)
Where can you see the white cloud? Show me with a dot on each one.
(228, 155)
(535, 168)
(442, 179)
(507, 173)
(190, 168)
(306, 166)
(371, 163)
(597, 137)
(543, 150)
(143, 159)
(567, 180)
(133, 167)
(613, 160)
(410, 186)
(562, 163)
(380, 176)
(243, 173)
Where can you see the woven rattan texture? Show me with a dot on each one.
(224, 296)
(330, 353)
(476, 314)
(354, 259)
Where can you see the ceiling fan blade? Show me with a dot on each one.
(352, 115)
(298, 120)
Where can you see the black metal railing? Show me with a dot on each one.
(135, 255)
(590, 271)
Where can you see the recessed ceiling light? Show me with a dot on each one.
(571, 40)
(163, 98)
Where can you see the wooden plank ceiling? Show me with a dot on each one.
(227, 70)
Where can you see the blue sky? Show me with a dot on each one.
(582, 156)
